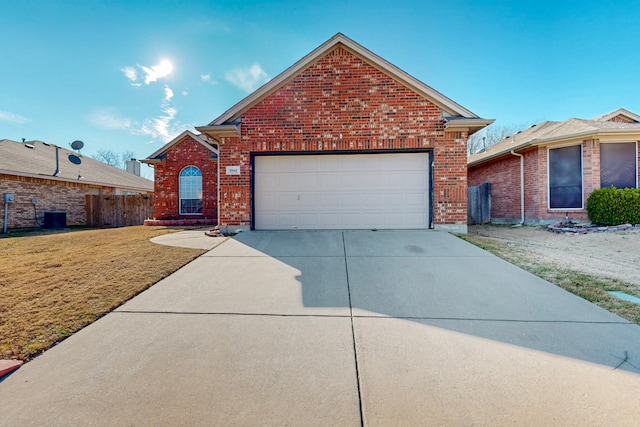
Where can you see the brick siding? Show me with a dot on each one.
(342, 103)
(504, 175)
(50, 195)
(186, 152)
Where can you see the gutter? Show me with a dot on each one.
(521, 188)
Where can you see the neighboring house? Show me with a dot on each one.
(562, 163)
(342, 139)
(44, 177)
(186, 179)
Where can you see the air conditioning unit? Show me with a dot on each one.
(55, 219)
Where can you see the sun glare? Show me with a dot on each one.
(165, 67)
(158, 71)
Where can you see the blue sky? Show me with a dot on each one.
(130, 75)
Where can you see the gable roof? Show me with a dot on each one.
(621, 113)
(159, 154)
(450, 108)
(37, 159)
(549, 132)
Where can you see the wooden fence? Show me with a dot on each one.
(118, 211)
(479, 207)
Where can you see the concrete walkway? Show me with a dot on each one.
(194, 239)
(339, 328)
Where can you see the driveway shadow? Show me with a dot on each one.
(436, 279)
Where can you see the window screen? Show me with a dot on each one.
(190, 190)
(565, 177)
(618, 165)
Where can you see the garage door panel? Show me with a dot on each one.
(329, 181)
(413, 217)
(341, 191)
(376, 200)
(329, 199)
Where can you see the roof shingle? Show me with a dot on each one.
(38, 159)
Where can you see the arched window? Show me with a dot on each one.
(190, 191)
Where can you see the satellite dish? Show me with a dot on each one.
(75, 159)
(77, 145)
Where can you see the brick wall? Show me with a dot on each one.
(186, 152)
(342, 103)
(504, 175)
(49, 194)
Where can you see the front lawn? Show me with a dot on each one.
(53, 284)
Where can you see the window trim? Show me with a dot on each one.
(581, 178)
(635, 158)
(180, 192)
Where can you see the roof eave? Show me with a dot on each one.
(581, 136)
(619, 111)
(78, 181)
(472, 125)
(499, 154)
(156, 157)
(220, 131)
(153, 161)
(601, 133)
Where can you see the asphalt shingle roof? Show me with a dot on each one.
(38, 159)
(548, 131)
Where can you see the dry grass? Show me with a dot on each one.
(592, 288)
(53, 284)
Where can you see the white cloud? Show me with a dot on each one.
(207, 79)
(151, 74)
(247, 79)
(130, 73)
(13, 118)
(161, 127)
(155, 72)
(109, 118)
(168, 94)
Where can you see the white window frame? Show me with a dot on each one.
(180, 198)
(636, 157)
(581, 178)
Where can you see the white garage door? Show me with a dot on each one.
(351, 191)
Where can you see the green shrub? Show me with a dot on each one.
(614, 206)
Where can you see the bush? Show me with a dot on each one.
(614, 206)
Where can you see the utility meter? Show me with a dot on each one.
(9, 198)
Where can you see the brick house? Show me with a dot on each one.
(186, 180)
(342, 139)
(43, 177)
(561, 164)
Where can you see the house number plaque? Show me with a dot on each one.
(233, 170)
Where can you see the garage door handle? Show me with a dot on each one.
(298, 197)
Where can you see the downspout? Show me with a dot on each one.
(521, 188)
(218, 185)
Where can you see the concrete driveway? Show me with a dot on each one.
(344, 329)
